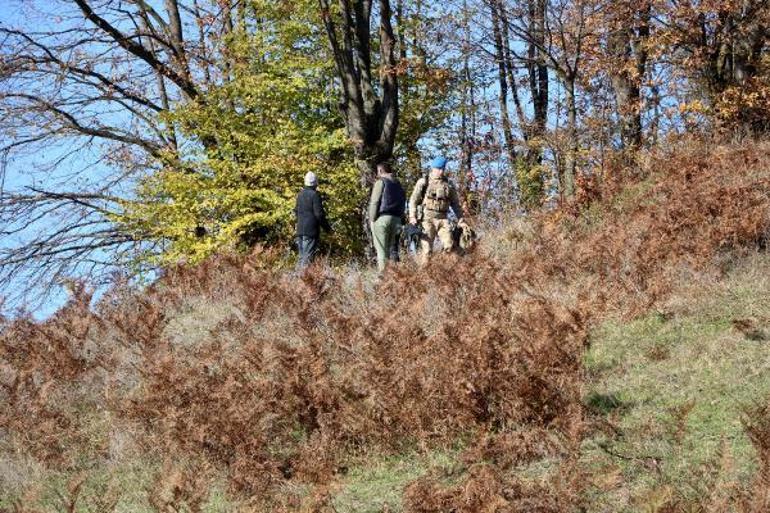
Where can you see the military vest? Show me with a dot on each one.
(437, 195)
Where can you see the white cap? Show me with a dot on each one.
(310, 179)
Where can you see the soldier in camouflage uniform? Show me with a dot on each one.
(429, 205)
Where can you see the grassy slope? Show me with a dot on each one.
(670, 387)
(674, 383)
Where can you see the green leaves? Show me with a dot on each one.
(251, 139)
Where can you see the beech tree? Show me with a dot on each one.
(368, 83)
(265, 126)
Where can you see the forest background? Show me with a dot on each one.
(138, 134)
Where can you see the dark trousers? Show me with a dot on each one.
(307, 248)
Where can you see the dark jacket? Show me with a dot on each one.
(388, 198)
(393, 202)
(310, 213)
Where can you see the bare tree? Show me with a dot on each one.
(84, 85)
(538, 36)
(505, 74)
(570, 28)
(531, 20)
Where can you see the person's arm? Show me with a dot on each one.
(404, 220)
(320, 213)
(415, 199)
(374, 200)
(454, 202)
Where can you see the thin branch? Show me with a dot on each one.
(139, 50)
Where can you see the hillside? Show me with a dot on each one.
(608, 356)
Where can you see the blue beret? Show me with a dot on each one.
(438, 163)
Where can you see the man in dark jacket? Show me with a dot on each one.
(310, 218)
(386, 208)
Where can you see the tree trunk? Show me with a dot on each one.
(468, 119)
(510, 70)
(627, 91)
(627, 45)
(370, 110)
(368, 174)
(573, 145)
(538, 71)
(505, 118)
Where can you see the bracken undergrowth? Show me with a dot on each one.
(293, 377)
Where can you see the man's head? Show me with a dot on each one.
(311, 180)
(437, 167)
(384, 169)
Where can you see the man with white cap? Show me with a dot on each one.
(311, 217)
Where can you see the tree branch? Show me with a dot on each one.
(185, 84)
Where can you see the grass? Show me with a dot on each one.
(49, 492)
(128, 485)
(377, 484)
(675, 385)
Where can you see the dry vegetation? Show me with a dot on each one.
(292, 380)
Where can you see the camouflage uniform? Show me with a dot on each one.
(434, 196)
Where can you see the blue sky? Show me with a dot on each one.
(27, 168)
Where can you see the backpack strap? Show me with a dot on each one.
(423, 192)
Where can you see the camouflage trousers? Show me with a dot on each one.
(432, 228)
